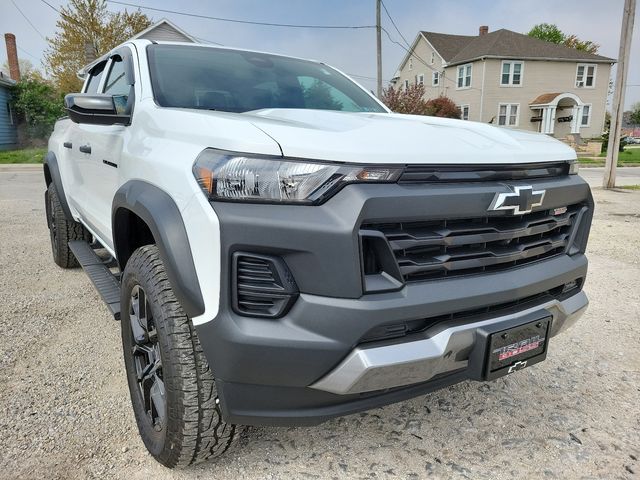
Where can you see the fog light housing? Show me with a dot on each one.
(262, 285)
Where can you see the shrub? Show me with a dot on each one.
(38, 105)
(442, 107)
(411, 101)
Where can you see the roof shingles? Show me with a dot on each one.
(456, 49)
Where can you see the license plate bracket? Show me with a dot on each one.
(517, 347)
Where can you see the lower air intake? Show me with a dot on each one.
(262, 285)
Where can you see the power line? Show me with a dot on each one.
(51, 6)
(365, 77)
(27, 53)
(394, 24)
(207, 40)
(28, 21)
(235, 20)
(412, 53)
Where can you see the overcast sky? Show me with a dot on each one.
(353, 51)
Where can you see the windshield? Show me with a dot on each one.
(237, 81)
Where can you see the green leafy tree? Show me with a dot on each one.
(634, 118)
(38, 104)
(551, 33)
(85, 22)
(547, 32)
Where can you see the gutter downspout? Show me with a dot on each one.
(484, 68)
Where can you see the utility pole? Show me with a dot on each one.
(379, 48)
(628, 15)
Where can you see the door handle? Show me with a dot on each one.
(85, 148)
(67, 144)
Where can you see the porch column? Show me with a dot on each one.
(548, 119)
(576, 113)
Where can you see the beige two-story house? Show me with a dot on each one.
(512, 80)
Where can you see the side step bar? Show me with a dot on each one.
(106, 283)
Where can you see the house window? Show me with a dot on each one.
(419, 79)
(508, 114)
(433, 58)
(10, 114)
(511, 73)
(464, 76)
(435, 79)
(464, 112)
(585, 120)
(406, 85)
(586, 75)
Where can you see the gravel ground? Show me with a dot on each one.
(65, 411)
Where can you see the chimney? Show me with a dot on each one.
(483, 30)
(12, 56)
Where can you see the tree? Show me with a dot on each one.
(37, 103)
(409, 100)
(551, 33)
(26, 67)
(584, 45)
(635, 114)
(82, 22)
(547, 32)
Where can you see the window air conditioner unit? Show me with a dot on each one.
(580, 84)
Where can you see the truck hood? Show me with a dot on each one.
(395, 138)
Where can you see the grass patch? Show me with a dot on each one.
(26, 155)
(629, 187)
(629, 158)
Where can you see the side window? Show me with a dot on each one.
(94, 78)
(116, 83)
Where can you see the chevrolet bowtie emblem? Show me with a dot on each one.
(520, 201)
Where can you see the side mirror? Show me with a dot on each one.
(95, 109)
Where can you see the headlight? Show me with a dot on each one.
(574, 167)
(253, 178)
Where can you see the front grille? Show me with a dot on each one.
(262, 285)
(482, 173)
(443, 248)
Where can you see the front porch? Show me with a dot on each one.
(560, 114)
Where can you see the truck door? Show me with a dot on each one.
(102, 146)
(72, 160)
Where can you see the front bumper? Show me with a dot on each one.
(314, 363)
(370, 368)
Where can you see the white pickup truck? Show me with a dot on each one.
(281, 249)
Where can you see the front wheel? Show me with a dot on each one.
(172, 388)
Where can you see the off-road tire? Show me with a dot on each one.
(62, 230)
(193, 428)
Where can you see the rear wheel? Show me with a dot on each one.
(62, 230)
(172, 388)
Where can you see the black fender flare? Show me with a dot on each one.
(52, 175)
(160, 213)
